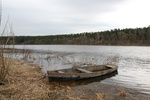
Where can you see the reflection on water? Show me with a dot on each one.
(98, 79)
(133, 61)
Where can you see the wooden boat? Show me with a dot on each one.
(79, 73)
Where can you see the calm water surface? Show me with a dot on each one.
(133, 61)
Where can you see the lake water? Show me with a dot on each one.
(133, 61)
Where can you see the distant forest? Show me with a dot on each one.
(138, 36)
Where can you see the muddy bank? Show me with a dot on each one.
(26, 81)
(108, 92)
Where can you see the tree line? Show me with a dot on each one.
(138, 36)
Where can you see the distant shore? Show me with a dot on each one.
(26, 81)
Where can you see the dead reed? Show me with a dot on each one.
(7, 39)
(26, 82)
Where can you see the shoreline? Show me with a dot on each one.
(26, 81)
(109, 92)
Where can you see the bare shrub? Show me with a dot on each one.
(6, 49)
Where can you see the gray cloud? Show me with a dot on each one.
(90, 6)
(40, 17)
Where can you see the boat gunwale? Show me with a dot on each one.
(52, 73)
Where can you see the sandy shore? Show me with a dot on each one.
(26, 82)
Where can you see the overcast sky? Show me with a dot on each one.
(49, 17)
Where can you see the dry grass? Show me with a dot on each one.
(4, 66)
(100, 96)
(26, 82)
(23, 82)
(122, 93)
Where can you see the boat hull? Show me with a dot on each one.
(71, 74)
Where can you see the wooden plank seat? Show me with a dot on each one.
(60, 71)
(83, 70)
